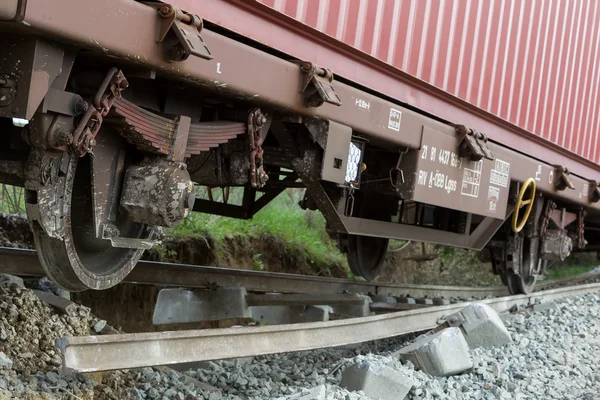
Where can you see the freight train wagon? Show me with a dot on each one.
(466, 123)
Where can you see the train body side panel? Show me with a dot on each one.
(531, 66)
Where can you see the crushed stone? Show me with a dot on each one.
(553, 355)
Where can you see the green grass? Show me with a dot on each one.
(12, 199)
(299, 229)
(567, 271)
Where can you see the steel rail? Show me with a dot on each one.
(25, 263)
(103, 353)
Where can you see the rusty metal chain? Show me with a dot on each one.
(581, 242)
(545, 219)
(84, 136)
(258, 176)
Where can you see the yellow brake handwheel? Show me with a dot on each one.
(519, 224)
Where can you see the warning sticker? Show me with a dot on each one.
(472, 180)
(500, 172)
(493, 198)
(395, 118)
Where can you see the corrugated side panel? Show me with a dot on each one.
(531, 62)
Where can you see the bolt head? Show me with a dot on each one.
(165, 10)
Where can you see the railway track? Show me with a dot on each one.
(123, 351)
(101, 353)
(25, 263)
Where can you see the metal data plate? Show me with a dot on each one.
(437, 175)
(335, 160)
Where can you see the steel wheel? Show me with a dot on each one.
(366, 255)
(59, 207)
(504, 279)
(520, 285)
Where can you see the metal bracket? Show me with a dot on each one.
(186, 29)
(594, 192)
(316, 85)
(563, 179)
(456, 320)
(473, 144)
(8, 89)
(112, 233)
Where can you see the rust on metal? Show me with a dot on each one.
(563, 178)
(472, 144)
(155, 134)
(89, 125)
(256, 120)
(594, 194)
(316, 85)
(146, 130)
(186, 29)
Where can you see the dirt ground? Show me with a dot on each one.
(418, 263)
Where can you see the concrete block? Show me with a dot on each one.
(7, 280)
(380, 298)
(278, 315)
(376, 381)
(444, 353)
(405, 300)
(441, 301)
(481, 326)
(425, 301)
(355, 310)
(176, 306)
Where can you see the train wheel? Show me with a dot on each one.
(520, 285)
(366, 255)
(60, 209)
(519, 259)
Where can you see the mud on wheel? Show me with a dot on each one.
(60, 210)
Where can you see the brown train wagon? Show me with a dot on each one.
(377, 119)
(525, 72)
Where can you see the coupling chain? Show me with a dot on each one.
(256, 120)
(84, 136)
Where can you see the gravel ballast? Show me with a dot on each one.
(553, 354)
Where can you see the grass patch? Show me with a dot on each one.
(300, 230)
(567, 271)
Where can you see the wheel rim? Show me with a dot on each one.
(520, 285)
(366, 255)
(76, 260)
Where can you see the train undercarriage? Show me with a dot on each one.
(109, 152)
